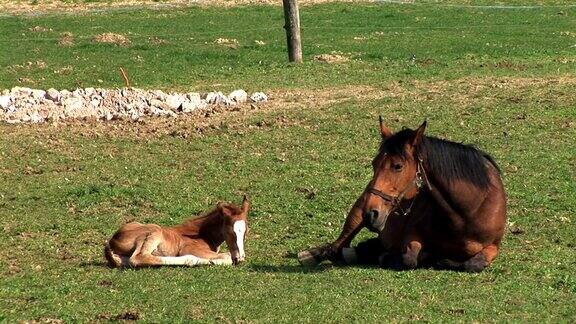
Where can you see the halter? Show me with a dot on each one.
(418, 182)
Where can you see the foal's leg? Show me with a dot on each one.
(145, 245)
(148, 244)
(115, 260)
(212, 257)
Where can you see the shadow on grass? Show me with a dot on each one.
(289, 268)
(94, 263)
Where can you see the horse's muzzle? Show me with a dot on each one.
(237, 261)
(375, 221)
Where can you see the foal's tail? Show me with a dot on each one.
(113, 260)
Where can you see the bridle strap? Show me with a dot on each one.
(418, 181)
(382, 195)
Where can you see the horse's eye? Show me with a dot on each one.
(397, 167)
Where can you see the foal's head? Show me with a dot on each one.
(397, 175)
(235, 228)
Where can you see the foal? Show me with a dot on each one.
(195, 242)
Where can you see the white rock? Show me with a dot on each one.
(188, 106)
(216, 98)
(193, 96)
(89, 91)
(159, 94)
(72, 107)
(238, 96)
(78, 92)
(134, 115)
(156, 103)
(35, 117)
(37, 94)
(5, 101)
(174, 101)
(259, 97)
(21, 91)
(53, 95)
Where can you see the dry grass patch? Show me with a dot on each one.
(113, 38)
(232, 43)
(32, 7)
(66, 39)
(334, 57)
(39, 29)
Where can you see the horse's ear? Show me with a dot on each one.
(419, 136)
(384, 131)
(246, 204)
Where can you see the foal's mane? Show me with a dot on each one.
(445, 159)
(208, 215)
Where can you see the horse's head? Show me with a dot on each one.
(235, 228)
(397, 175)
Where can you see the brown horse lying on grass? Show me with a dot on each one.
(195, 242)
(432, 202)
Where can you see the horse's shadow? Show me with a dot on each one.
(94, 263)
(298, 268)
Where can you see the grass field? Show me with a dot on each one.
(502, 79)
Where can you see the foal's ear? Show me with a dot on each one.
(224, 209)
(246, 204)
(384, 131)
(419, 136)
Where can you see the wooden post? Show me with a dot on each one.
(292, 26)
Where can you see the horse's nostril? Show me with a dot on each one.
(371, 216)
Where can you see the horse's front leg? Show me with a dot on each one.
(333, 251)
(412, 252)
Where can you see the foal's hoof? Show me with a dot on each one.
(223, 261)
(307, 259)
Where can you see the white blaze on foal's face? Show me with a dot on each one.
(240, 231)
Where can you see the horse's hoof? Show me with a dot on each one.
(307, 259)
(349, 255)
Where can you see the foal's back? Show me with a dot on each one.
(127, 238)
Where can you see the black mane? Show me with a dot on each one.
(445, 159)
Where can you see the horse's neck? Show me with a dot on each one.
(457, 200)
(207, 228)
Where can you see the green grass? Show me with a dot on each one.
(387, 42)
(506, 87)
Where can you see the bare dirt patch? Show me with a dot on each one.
(463, 92)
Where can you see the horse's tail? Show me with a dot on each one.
(114, 260)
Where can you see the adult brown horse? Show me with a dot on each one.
(195, 242)
(432, 201)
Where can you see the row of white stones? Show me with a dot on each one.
(25, 105)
